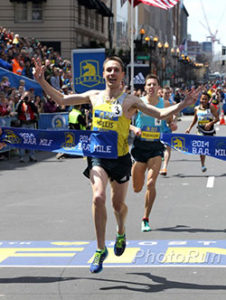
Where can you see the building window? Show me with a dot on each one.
(86, 17)
(28, 11)
(78, 40)
(20, 11)
(36, 11)
(102, 24)
(92, 19)
(79, 14)
(96, 21)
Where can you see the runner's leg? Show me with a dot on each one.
(99, 180)
(154, 165)
(119, 192)
(138, 175)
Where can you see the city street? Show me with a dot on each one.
(47, 236)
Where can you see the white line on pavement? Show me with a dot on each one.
(210, 182)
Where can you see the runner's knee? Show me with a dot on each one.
(137, 189)
(150, 184)
(117, 206)
(99, 199)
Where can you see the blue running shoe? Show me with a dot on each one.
(204, 169)
(145, 227)
(120, 244)
(97, 264)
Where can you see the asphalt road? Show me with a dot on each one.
(47, 233)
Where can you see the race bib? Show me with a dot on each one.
(117, 110)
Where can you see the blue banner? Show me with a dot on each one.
(53, 120)
(87, 67)
(196, 144)
(76, 142)
(14, 81)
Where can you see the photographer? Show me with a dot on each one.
(27, 114)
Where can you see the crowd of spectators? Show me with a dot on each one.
(16, 54)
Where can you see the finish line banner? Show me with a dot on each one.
(76, 142)
(196, 144)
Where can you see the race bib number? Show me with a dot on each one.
(150, 133)
(157, 122)
(117, 110)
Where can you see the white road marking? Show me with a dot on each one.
(210, 182)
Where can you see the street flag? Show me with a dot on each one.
(164, 4)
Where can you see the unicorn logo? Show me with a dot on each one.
(178, 143)
(69, 140)
(89, 73)
(11, 137)
(58, 121)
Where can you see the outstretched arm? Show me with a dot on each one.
(72, 99)
(163, 113)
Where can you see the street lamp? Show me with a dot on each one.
(155, 39)
(142, 33)
(147, 39)
(175, 53)
(163, 49)
(160, 47)
(139, 42)
(166, 47)
(151, 43)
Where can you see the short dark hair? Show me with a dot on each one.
(206, 94)
(115, 58)
(152, 76)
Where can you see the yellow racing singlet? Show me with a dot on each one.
(109, 116)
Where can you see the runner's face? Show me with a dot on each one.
(151, 87)
(113, 73)
(204, 100)
(166, 94)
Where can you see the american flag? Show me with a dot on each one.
(165, 4)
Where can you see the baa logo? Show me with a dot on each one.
(58, 122)
(11, 137)
(221, 144)
(178, 143)
(89, 73)
(69, 140)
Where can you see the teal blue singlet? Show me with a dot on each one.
(150, 127)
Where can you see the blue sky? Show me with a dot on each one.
(215, 11)
(216, 15)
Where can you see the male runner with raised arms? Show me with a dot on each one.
(100, 171)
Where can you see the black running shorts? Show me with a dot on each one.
(117, 169)
(142, 151)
